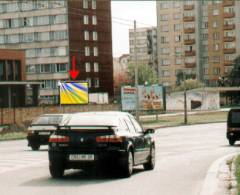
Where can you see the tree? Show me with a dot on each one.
(145, 74)
(188, 85)
(234, 76)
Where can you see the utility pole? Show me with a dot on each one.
(185, 101)
(136, 71)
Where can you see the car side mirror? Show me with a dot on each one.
(149, 131)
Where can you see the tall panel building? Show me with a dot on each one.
(52, 32)
(197, 39)
(146, 46)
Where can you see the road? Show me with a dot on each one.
(184, 155)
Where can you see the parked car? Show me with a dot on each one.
(101, 138)
(41, 129)
(233, 126)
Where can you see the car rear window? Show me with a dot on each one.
(235, 117)
(48, 120)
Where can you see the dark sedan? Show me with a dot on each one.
(100, 138)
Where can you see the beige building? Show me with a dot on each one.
(197, 39)
(146, 46)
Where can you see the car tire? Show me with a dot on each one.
(56, 171)
(128, 165)
(151, 162)
(231, 142)
(35, 147)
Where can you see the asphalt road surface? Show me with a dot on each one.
(184, 155)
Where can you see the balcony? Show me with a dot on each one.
(229, 50)
(188, 7)
(189, 30)
(228, 3)
(228, 63)
(229, 39)
(190, 65)
(190, 53)
(188, 18)
(189, 41)
(228, 15)
(229, 26)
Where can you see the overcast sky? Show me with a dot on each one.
(141, 11)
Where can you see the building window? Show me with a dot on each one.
(2, 39)
(86, 35)
(216, 36)
(165, 50)
(164, 39)
(95, 35)
(178, 61)
(12, 7)
(216, 12)
(30, 53)
(61, 67)
(164, 28)
(95, 51)
(41, 4)
(216, 59)
(94, 20)
(59, 19)
(96, 82)
(42, 36)
(216, 47)
(31, 69)
(87, 67)
(96, 67)
(94, 4)
(85, 19)
(205, 70)
(87, 51)
(27, 21)
(164, 17)
(45, 68)
(165, 62)
(177, 38)
(85, 4)
(177, 27)
(165, 73)
(59, 35)
(89, 81)
(27, 5)
(216, 71)
(42, 20)
(177, 16)
(57, 3)
(28, 37)
(215, 24)
(13, 38)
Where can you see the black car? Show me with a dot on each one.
(42, 127)
(100, 138)
(233, 126)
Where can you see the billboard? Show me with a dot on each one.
(74, 93)
(150, 98)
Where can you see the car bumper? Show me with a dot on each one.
(38, 139)
(102, 158)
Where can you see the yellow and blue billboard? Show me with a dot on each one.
(74, 93)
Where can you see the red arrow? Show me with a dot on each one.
(73, 72)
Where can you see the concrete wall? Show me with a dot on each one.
(206, 100)
(24, 116)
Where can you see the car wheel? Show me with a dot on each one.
(151, 163)
(35, 147)
(231, 142)
(128, 166)
(56, 171)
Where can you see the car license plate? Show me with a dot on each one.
(44, 133)
(81, 157)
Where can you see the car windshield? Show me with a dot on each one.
(48, 120)
(235, 117)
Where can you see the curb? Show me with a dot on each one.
(210, 185)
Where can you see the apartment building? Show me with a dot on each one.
(146, 46)
(52, 32)
(197, 39)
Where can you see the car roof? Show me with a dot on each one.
(108, 118)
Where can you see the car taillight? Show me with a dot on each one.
(59, 139)
(109, 138)
(30, 132)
